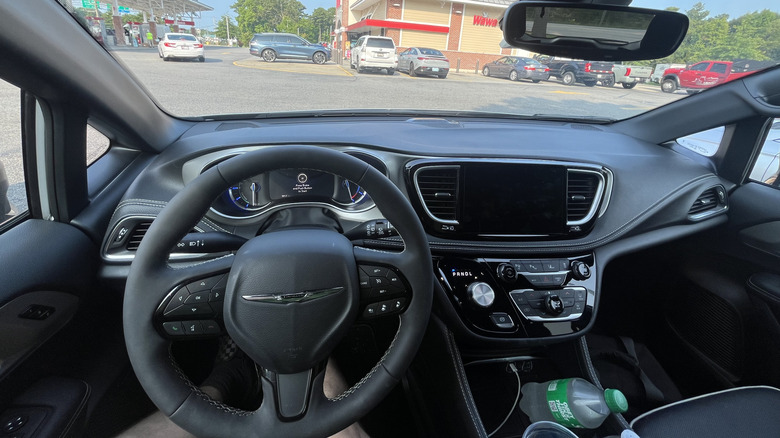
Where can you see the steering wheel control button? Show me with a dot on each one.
(481, 294)
(394, 279)
(192, 327)
(370, 310)
(210, 327)
(198, 297)
(216, 295)
(204, 284)
(502, 320)
(374, 271)
(364, 280)
(195, 309)
(384, 307)
(553, 304)
(173, 328)
(178, 299)
(218, 291)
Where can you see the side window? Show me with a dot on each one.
(718, 68)
(768, 162)
(297, 41)
(97, 144)
(700, 67)
(13, 193)
(703, 143)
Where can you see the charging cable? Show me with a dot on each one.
(513, 368)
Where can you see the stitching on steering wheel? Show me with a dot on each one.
(357, 385)
(219, 405)
(192, 265)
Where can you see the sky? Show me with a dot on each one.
(734, 8)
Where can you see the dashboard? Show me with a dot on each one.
(519, 232)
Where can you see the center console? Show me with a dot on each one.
(520, 298)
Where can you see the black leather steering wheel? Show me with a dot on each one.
(289, 340)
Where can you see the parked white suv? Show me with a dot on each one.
(374, 53)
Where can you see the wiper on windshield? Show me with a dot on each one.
(408, 113)
(567, 118)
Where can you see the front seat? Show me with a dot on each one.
(750, 411)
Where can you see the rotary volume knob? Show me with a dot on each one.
(481, 294)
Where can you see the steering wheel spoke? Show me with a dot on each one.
(384, 289)
(292, 393)
(193, 306)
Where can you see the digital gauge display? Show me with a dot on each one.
(290, 183)
(353, 192)
(254, 195)
(249, 194)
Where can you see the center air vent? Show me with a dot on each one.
(711, 202)
(437, 187)
(583, 189)
(138, 233)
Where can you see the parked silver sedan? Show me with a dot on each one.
(516, 68)
(423, 61)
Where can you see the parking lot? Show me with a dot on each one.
(250, 85)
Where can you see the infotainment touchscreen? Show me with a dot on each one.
(513, 199)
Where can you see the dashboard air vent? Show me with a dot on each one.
(138, 233)
(581, 192)
(712, 201)
(438, 190)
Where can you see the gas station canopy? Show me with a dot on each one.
(166, 8)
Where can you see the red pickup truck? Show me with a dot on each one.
(706, 74)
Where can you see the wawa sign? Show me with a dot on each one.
(485, 21)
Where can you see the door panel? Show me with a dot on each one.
(45, 264)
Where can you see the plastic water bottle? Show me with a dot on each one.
(571, 402)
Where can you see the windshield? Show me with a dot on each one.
(355, 65)
(380, 43)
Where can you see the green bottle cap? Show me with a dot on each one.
(616, 401)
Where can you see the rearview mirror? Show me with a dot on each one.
(593, 31)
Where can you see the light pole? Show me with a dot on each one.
(227, 28)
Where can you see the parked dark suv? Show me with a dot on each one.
(273, 46)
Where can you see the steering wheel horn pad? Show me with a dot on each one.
(291, 296)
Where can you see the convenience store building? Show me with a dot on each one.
(465, 31)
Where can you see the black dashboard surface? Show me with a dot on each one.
(648, 193)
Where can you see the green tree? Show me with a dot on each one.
(254, 16)
(755, 35)
(224, 25)
(321, 21)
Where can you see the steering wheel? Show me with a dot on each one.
(291, 296)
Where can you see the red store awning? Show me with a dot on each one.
(392, 24)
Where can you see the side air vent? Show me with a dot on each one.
(437, 187)
(138, 233)
(583, 190)
(711, 202)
